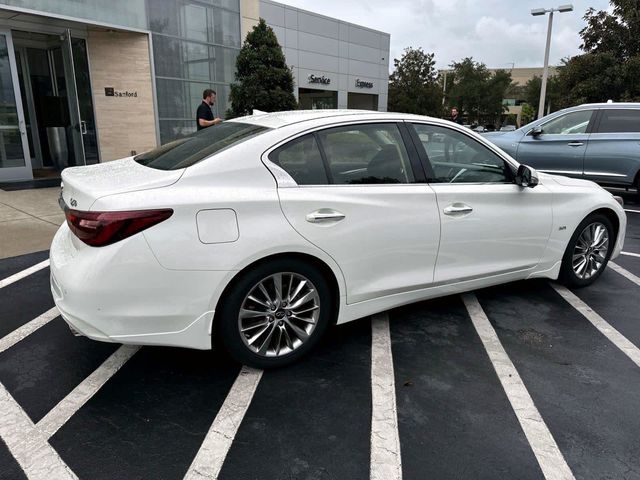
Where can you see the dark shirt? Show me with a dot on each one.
(457, 120)
(204, 112)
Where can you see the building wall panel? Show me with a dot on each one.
(121, 60)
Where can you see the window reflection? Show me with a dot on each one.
(195, 47)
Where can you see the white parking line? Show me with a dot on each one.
(27, 329)
(631, 254)
(80, 395)
(209, 459)
(614, 336)
(38, 459)
(544, 446)
(625, 273)
(386, 461)
(631, 211)
(24, 273)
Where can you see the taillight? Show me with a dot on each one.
(104, 228)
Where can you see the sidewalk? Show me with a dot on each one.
(28, 220)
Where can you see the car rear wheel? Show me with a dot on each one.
(588, 251)
(275, 313)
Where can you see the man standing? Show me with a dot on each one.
(204, 115)
(454, 116)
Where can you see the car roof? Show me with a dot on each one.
(612, 104)
(282, 119)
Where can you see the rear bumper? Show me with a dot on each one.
(120, 293)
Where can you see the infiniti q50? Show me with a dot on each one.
(264, 230)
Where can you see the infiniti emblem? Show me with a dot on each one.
(73, 202)
(279, 314)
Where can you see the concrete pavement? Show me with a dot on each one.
(28, 220)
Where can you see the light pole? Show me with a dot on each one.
(543, 88)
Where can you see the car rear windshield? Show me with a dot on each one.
(186, 151)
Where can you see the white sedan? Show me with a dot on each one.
(264, 230)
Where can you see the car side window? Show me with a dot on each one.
(619, 121)
(569, 123)
(301, 159)
(458, 158)
(366, 154)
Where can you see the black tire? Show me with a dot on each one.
(567, 274)
(227, 326)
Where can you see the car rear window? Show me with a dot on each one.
(186, 151)
(620, 121)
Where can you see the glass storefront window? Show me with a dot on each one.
(311, 99)
(195, 44)
(226, 28)
(178, 101)
(125, 13)
(194, 21)
(193, 61)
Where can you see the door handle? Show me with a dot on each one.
(457, 209)
(575, 144)
(325, 215)
(83, 127)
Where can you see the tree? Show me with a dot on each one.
(592, 77)
(413, 85)
(617, 32)
(492, 105)
(477, 92)
(527, 114)
(553, 97)
(609, 68)
(263, 79)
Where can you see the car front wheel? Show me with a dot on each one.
(588, 251)
(275, 313)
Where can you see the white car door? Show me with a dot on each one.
(359, 199)
(489, 225)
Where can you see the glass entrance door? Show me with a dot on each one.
(15, 160)
(83, 130)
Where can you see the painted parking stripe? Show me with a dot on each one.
(631, 254)
(631, 211)
(26, 443)
(544, 446)
(27, 329)
(386, 462)
(619, 340)
(209, 459)
(69, 405)
(625, 273)
(24, 273)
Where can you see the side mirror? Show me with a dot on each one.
(535, 131)
(526, 176)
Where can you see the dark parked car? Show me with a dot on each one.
(599, 142)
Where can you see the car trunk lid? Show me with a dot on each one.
(82, 186)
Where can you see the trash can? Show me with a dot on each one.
(58, 148)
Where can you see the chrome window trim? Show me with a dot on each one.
(562, 172)
(606, 174)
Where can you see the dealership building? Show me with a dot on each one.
(87, 81)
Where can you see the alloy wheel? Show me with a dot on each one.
(591, 250)
(279, 314)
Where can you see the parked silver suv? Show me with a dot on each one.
(599, 142)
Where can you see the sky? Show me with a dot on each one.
(498, 33)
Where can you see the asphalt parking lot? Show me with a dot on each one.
(520, 381)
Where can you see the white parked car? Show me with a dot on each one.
(264, 230)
